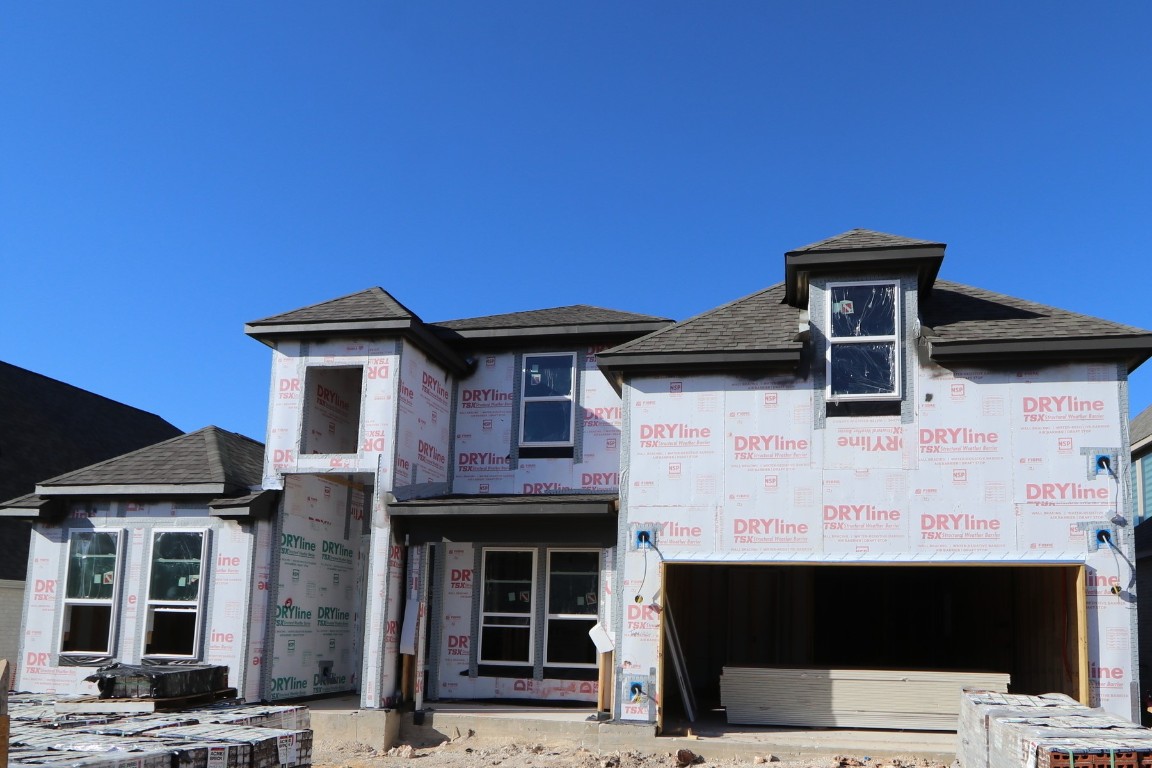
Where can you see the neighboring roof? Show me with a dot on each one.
(371, 312)
(754, 331)
(210, 461)
(48, 427)
(578, 319)
(971, 324)
(1140, 432)
(860, 250)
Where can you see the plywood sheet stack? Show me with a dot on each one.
(849, 698)
(1050, 731)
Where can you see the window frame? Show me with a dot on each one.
(112, 602)
(895, 339)
(570, 398)
(549, 616)
(182, 606)
(531, 613)
(308, 410)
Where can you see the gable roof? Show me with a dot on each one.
(862, 240)
(210, 461)
(372, 304)
(577, 319)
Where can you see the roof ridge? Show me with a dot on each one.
(212, 446)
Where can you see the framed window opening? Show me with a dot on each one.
(863, 359)
(573, 608)
(508, 607)
(548, 400)
(90, 590)
(175, 594)
(331, 422)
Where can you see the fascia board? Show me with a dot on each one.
(678, 360)
(799, 264)
(535, 332)
(1132, 349)
(341, 327)
(476, 510)
(191, 489)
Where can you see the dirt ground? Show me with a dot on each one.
(472, 752)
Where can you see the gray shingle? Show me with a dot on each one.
(577, 314)
(371, 304)
(1141, 426)
(862, 240)
(210, 455)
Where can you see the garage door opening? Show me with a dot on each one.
(1026, 621)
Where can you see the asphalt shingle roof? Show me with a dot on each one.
(862, 240)
(1141, 426)
(207, 456)
(371, 304)
(577, 314)
(753, 323)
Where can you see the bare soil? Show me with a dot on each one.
(474, 752)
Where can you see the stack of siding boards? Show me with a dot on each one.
(849, 698)
(218, 735)
(1049, 731)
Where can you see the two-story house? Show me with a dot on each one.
(450, 495)
(866, 467)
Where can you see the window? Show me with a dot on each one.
(547, 400)
(508, 601)
(89, 593)
(511, 613)
(863, 342)
(175, 588)
(573, 597)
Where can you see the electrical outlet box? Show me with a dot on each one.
(643, 535)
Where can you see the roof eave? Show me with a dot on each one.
(615, 366)
(141, 489)
(271, 333)
(257, 505)
(546, 506)
(799, 265)
(536, 333)
(1132, 350)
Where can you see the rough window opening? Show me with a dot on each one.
(863, 360)
(89, 593)
(332, 409)
(175, 588)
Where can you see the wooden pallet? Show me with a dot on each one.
(88, 705)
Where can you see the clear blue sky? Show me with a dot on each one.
(169, 170)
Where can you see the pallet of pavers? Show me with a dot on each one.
(271, 747)
(1051, 731)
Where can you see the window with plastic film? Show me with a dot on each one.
(547, 400)
(90, 593)
(508, 606)
(863, 360)
(573, 590)
(175, 589)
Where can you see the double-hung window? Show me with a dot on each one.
(547, 402)
(508, 606)
(863, 358)
(573, 597)
(175, 594)
(90, 593)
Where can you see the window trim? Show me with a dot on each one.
(182, 605)
(894, 339)
(571, 398)
(549, 616)
(307, 409)
(113, 602)
(531, 614)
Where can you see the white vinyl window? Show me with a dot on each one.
(573, 598)
(547, 402)
(508, 606)
(863, 358)
(175, 594)
(90, 593)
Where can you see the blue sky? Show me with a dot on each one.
(169, 171)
